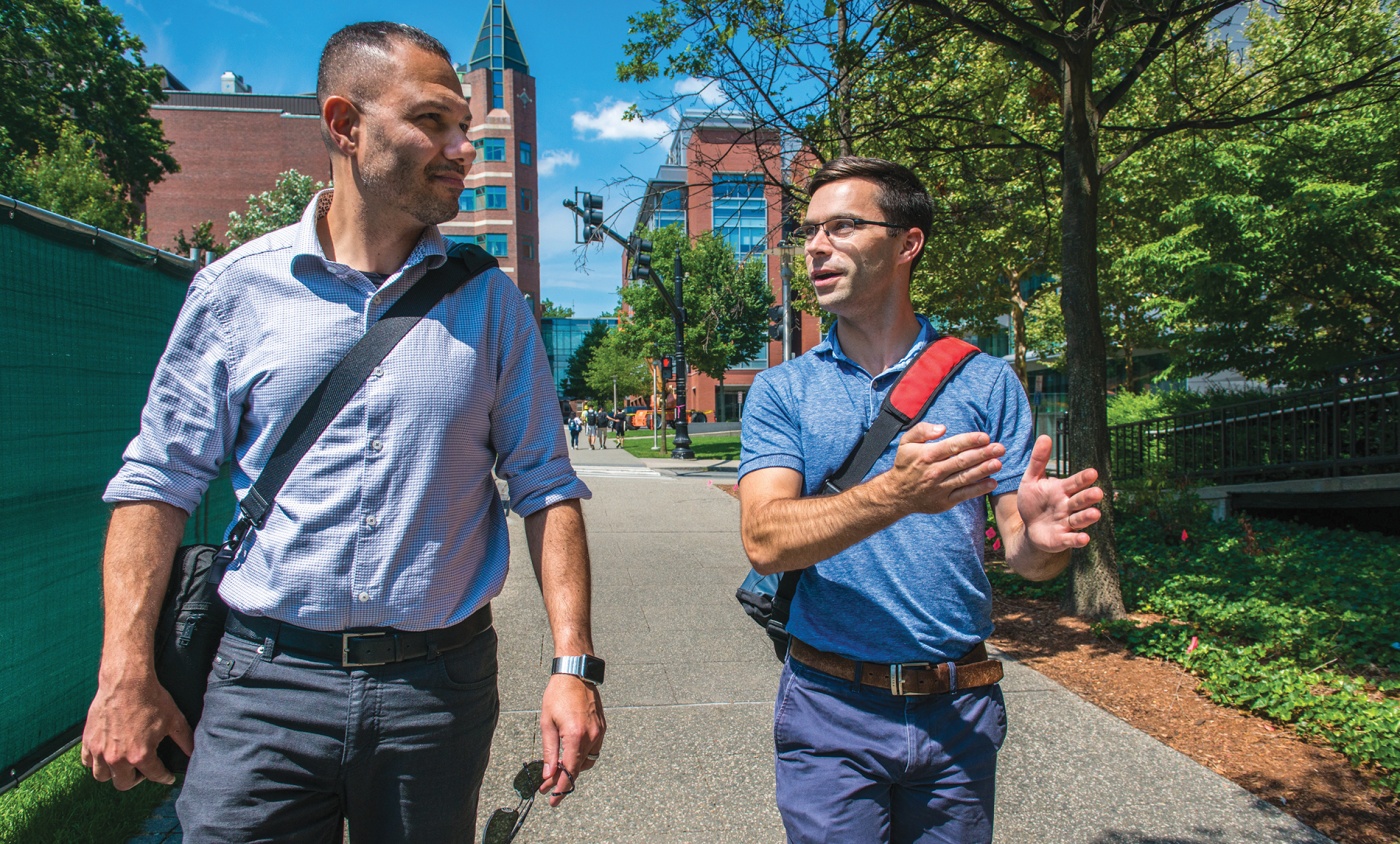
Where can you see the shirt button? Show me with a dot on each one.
(363, 596)
(377, 299)
(378, 371)
(372, 521)
(376, 445)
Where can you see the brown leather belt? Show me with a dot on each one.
(905, 678)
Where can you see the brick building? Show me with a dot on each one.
(234, 143)
(722, 175)
(230, 145)
(500, 207)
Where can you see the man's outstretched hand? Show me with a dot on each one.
(1056, 511)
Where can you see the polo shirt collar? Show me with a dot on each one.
(430, 249)
(831, 346)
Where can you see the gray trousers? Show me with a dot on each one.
(287, 747)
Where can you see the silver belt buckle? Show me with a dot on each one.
(345, 650)
(897, 677)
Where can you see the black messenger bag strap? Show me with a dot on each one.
(912, 395)
(464, 261)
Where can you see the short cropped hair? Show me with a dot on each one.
(903, 199)
(351, 62)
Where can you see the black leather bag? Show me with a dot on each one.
(192, 614)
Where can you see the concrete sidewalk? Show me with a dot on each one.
(690, 689)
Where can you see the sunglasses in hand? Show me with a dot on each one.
(506, 823)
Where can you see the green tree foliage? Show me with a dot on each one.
(576, 376)
(71, 62)
(549, 310)
(273, 209)
(201, 238)
(1289, 265)
(69, 180)
(612, 366)
(726, 304)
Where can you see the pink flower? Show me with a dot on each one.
(1184, 536)
(996, 546)
(991, 532)
(1194, 642)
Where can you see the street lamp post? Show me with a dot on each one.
(681, 444)
(786, 253)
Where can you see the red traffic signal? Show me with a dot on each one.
(665, 367)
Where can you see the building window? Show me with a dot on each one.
(467, 201)
(497, 244)
(527, 247)
(491, 149)
(670, 209)
(527, 200)
(526, 155)
(495, 197)
(740, 214)
(498, 89)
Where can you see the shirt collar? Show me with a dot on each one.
(430, 249)
(832, 345)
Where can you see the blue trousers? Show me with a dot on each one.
(287, 747)
(858, 764)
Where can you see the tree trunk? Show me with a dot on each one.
(720, 409)
(842, 104)
(1094, 590)
(1018, 332)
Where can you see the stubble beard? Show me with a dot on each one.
(401, 185)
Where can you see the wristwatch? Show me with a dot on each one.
(587, 668)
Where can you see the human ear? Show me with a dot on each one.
(342, 122)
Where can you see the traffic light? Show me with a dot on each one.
(665, 367)
(592, 207)
(775, 322)
(641, 257)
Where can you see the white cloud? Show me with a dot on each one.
(607, 123)
(556, 159)
(225, 6)
(708, 91)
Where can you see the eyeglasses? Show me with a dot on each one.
(838, 228)
(505, 823)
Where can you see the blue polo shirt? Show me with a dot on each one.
(915, 590)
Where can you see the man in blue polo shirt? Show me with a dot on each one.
(876, 738)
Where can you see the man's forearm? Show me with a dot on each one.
(785, 534)
(141, 542)
(559, 552)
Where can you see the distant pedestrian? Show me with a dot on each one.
(590, 421)
(575, 426)
(619, 426)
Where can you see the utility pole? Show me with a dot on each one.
(681, 444)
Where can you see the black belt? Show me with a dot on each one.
(358, 648)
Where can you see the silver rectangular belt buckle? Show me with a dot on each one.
(345, 650)
(897, 677)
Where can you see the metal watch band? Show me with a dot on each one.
(587, 668)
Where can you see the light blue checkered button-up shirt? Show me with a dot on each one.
(392, 519)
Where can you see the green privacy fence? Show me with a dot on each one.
(84, 316)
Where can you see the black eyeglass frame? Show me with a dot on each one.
(515, 817)
(801, 236)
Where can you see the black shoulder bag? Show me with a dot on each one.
(768, 598)
(192, 615)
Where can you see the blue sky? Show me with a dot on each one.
(573, 49)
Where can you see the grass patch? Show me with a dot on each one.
(705, 446)
(63, 804)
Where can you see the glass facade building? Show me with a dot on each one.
(562, 338)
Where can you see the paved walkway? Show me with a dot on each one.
(691, 683)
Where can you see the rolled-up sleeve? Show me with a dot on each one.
(187, 425)
(527, 431)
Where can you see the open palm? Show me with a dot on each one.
(1056, 511)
